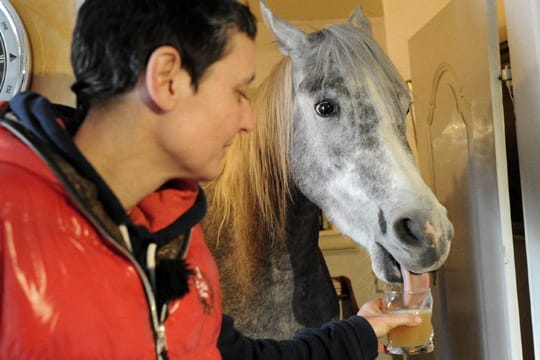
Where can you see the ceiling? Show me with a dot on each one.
(318, 9)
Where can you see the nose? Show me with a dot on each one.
(247, 118)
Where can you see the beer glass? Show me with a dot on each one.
(404, 339)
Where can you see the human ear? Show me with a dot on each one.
(162, 78)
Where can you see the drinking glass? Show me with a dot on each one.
(404, 339)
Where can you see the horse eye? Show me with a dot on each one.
(326, 108)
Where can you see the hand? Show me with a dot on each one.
(382, 323)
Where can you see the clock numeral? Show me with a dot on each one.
(4, 25)
(2, 58)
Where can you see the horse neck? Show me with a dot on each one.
(314, 298)
(303, 222)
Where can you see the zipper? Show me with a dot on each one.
(157, 323)
(150, 284)
(161, 341)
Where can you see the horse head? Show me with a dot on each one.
(349, 152)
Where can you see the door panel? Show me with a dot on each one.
(450, 133)
(460, 131)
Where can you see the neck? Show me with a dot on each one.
(113, 142)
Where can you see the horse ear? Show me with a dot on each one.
(289, 36)
(360, 20)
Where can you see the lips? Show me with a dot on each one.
(391, 267)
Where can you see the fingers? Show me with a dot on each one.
(396, 320)
(383, 323)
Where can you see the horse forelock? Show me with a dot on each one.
(344, 53)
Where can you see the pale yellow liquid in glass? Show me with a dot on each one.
(405, 336)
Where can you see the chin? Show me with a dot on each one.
(209, 175)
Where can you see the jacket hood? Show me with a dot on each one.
(54, 126)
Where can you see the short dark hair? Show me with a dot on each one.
(113, 40)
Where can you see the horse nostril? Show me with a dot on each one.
(408, 231)
(382, 222)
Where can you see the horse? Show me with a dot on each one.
(330, 134)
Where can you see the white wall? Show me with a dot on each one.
(402, 20)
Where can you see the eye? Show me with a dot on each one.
(326, 108)
(243, 95)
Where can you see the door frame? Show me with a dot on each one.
(523, 25)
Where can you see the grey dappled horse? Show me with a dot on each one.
(330, 134)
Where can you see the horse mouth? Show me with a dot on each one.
(395, 272)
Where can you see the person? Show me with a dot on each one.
(101, 252)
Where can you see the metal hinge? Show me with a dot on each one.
(506, 77)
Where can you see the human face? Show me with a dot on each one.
(207, 120)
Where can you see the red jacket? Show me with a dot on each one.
(68, 293)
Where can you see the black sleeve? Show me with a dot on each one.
(351, 339)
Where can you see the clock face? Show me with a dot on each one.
(15, 56)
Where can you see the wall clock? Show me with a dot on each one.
(15, 54)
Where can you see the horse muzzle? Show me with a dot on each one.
(419, 242)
